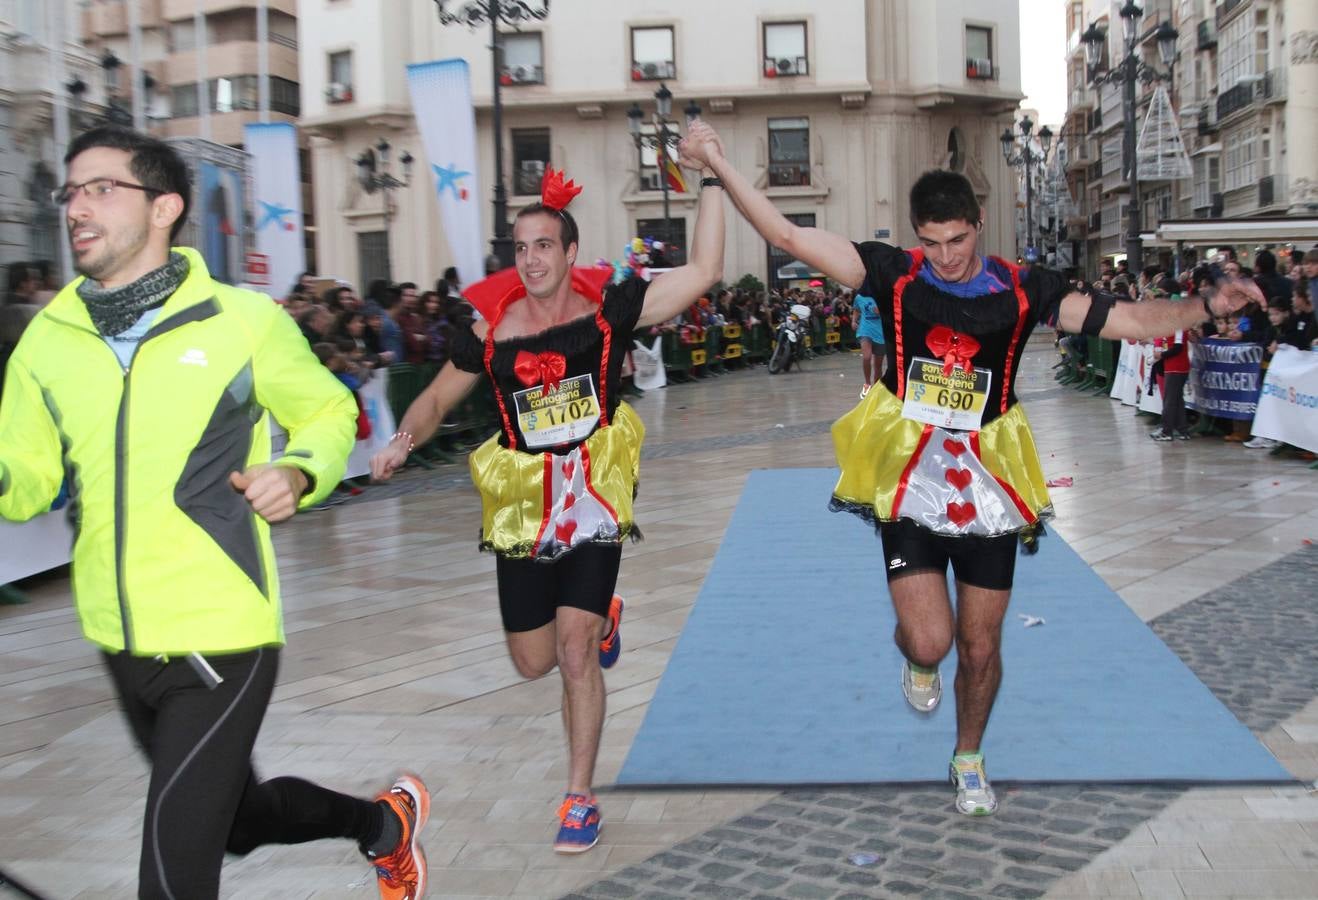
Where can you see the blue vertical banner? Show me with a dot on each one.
(441, 103)
(1227, 377)
(277, 183)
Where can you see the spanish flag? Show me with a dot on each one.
(669, 169)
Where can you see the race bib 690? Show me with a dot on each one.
(955, 401)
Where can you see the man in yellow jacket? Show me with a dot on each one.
(149, 388)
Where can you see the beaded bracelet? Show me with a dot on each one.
(411, 442)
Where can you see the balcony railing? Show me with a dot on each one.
(1225, 11)
(1234, 99)
(1274, 85)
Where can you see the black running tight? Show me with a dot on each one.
(204, 798)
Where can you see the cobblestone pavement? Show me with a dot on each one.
(1250, 641)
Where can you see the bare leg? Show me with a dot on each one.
(924, 617)
(583, 692)
(867, 359)
(979, 660)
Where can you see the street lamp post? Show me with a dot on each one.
(373, 174)
(1019, 152)
(114, 112)
(1126, 73)
(660, 141)
(508, 12)
(77, 89)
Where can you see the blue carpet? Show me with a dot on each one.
(786, 672)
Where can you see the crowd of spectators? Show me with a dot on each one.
(1285, 317)
(748, 308)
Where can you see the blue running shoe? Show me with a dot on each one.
(579, 827)
(611, 646)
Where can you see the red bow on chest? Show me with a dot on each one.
(955, 348)
(540, 368)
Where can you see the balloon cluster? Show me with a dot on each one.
(635, 257)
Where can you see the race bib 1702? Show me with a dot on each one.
(955, 401)
(567, 413)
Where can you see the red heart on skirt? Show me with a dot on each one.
(956, 448)
(959, 478)
(961, 514)
(568, 500)
(569, 468)
(563, 533)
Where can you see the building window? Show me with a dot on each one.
(1207, 181)
(649, 158)
(530, 156)
(183, 101)
(673, 236)
(523, 58)
(1240, 166)
(182, 36)
(285, 97)
(780, 258)
(979, 52)
(784, 50)
(789, 152)
(652, 53)
(372, 256)
(340, 77)
(1235, 54)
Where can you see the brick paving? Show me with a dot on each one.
(1251, 641)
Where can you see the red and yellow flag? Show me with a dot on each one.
(669, 170)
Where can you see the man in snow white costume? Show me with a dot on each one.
(557, 481)
(939, 454)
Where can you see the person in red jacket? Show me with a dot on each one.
(1174, 354)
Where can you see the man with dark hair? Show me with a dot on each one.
(558, 481)
(174, 574)
(939, 454)
(1274, 286)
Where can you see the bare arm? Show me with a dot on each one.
(1158, 318)
(426, 414)
(829, 253)
(675, 290)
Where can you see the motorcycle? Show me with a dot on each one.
(789, 343)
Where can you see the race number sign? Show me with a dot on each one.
(565, 413)
(955, 401)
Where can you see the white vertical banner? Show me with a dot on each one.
(441, 102)
(277, 183)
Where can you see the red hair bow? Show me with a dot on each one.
(540, 368)
(955, 348)
(554, 192)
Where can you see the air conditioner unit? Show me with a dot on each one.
(338, 92)
(648, 71)
(522, 75)
(979, 68)
(787, 65)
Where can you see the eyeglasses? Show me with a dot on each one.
(97, 189)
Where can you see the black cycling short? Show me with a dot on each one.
(531, 592)
(985, 562)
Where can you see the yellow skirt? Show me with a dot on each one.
(882, 456)
(542, 505)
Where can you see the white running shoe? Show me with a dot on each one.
(974, 794)
(1262, 443)
(863, 391)
(923, 689)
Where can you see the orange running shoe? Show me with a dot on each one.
(611, 646)
(402, 874)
